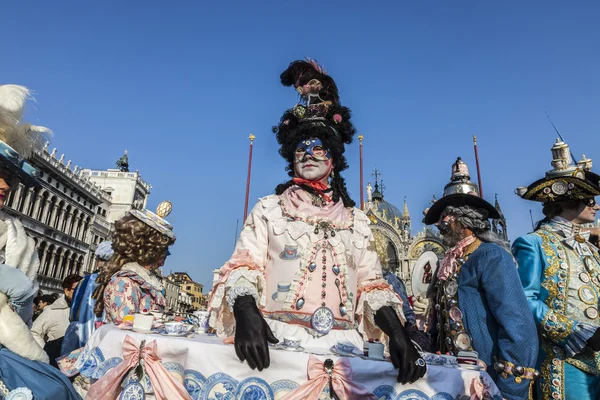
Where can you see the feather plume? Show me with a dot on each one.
(23, 137)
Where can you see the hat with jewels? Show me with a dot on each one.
(157, 221)
(565, 181)
(460, 191)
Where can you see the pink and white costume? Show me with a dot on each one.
(289, 256)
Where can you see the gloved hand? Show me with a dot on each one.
(594, 341)
(252, 333)
(402, 352)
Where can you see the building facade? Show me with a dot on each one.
(172, 291)
(70, 212)
(127, 190)
(187, 285)
(65, 215)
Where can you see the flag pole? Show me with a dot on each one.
(478, 169)
(251, 137)
(362, 191)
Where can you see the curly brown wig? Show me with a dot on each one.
(334, 128)
(132, 241)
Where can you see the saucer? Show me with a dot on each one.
(163, 333)
(298, 349)
(145, 331)
(471, 367)
(340, 352)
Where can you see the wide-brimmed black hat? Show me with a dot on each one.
(566, 181)
(459, 192)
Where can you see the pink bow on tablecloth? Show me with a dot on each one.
(318, 378)
(165, 386)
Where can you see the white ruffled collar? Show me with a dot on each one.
(144, 274)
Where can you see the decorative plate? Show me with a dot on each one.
(322, 320)
(133, 391)
(254, 389)
(193, 382)
(218, 386)
(385, 392)
(412, 394)
(107, 366)
(283, 387)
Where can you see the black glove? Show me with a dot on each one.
(402, 352)
(251, 333)
(594, 341)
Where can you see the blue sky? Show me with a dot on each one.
(181, 85)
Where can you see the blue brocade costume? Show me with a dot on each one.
(560, 278)
(495, 314)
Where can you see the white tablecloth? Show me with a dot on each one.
(211, 370)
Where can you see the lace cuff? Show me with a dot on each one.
(577, 340)
(372, 299)
(242, 288)
(239, 282)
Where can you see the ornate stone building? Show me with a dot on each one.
(403, 249)
(65, 216)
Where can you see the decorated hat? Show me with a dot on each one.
(104, 251)
(460, 191)
(565, 181)
(318, 114)
(157, 221)
(18, 140)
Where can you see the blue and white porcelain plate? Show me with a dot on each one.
(254, 389)
(107, 366)
(412, 394)
(92, 362)
(133, 391)
(282, 387)
(322, 320)
(193, 382)
(385, 392)
(442, 396)
(219, 386)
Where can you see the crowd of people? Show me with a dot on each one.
(308, 265)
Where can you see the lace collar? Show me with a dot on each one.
(146, 275)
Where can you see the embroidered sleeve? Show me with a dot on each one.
(537, 263)
(243, 274)
(373, 291)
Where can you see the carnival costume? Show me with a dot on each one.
(24, 372)
(134, 288)
(479, 301)
(559, 269)
(305, 264)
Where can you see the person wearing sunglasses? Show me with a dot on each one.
(560, 270)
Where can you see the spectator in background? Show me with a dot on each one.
(49, 328)
(41, 302)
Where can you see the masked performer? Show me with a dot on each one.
(24, 372)
(478, 297)
(559, 268)
(127, 284)
(305, 263)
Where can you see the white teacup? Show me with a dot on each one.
(291, 342)
(143, 322)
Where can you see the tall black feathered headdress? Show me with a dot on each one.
(319, 114)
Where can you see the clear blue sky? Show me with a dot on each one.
(181, 84)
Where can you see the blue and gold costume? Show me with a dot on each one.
(560, 271)
(480, 306)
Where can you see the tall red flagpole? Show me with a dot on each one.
(478, 169)
(362, 191)
(251, 137)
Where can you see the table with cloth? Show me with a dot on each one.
(209, 369)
